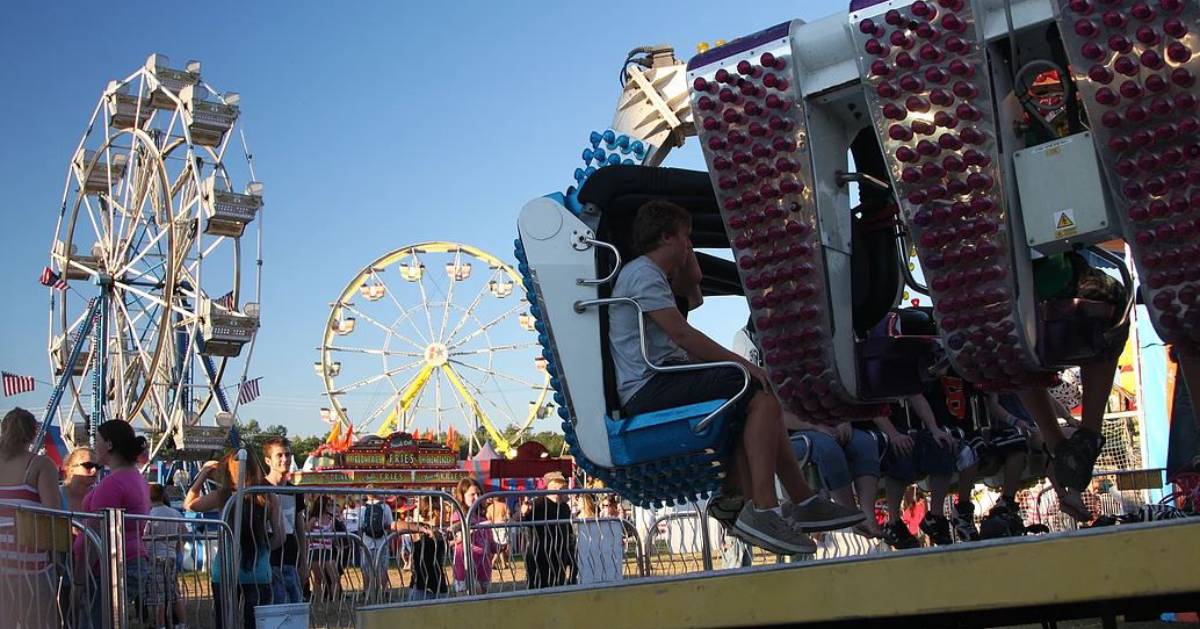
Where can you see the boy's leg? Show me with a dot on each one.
(761, 444)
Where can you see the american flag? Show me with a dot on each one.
(248, 391)
(14, 384)
(225, 301)
(52, 279)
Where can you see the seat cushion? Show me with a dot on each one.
(668, 433)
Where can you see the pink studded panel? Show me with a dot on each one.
(926, 84)
(749, 116)
(1135, 65)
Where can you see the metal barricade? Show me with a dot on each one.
(550, 538)
(345, 568)
(174, 583)
(53, 572)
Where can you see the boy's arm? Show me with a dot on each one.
(698, 345)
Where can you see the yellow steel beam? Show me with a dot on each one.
(502, 444)
(409, 394)
(1098, 565)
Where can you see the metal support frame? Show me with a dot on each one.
(96, 306)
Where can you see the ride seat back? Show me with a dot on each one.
(892, 361)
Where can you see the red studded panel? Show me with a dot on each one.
(1135, 65)
(925, 80)
(749, 116)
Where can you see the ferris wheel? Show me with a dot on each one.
(434, 335)
(156, 258)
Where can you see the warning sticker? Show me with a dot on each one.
(1064, 224)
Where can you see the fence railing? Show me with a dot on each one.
(203, 572)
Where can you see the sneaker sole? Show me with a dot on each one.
(817, 526)
(733, 531)
(762, 540)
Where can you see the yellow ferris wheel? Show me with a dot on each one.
(434, 335)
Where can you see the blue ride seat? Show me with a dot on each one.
(669, 433)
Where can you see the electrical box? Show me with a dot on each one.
(1064, 199)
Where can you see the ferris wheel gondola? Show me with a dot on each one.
(162, 302)
(431, 336)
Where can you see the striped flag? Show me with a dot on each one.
(248, 391)
(14, 384)
(226, 301)
(51, 279)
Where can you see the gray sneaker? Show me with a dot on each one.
(821, 515)
(771, 532)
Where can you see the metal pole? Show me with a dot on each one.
(112, 596)
(705, 542)
(100, 372)
(81, 336)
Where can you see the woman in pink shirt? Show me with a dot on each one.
(466, 493)
(118, 449)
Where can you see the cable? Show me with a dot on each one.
(1012, 39)
(631, 58)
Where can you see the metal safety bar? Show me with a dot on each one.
(616, 265)
(703, 424)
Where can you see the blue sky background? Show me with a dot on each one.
(373, 125)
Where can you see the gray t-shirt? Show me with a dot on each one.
(646, 283)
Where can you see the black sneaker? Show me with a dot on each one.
(1004, 520)
(963, 520)
(725, 507)
(937, 527)
(897, 536)
(1075, 458)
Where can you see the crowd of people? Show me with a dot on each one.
(291, 547)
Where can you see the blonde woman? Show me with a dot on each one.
(80, 471)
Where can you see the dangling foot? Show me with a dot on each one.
(1075, 457)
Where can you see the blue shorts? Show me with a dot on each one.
(927, 459)
(840, 464)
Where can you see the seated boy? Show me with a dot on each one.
(662, 238)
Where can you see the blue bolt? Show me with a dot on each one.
(610, 137)
(638, 147)
(595, 138)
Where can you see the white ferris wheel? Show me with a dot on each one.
(158, 255)
(433, 336)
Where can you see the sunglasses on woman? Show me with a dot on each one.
(91, 467)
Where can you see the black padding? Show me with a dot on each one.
(875, 263)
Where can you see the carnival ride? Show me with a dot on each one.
(963, 118)
(158, 256)
(433, 335)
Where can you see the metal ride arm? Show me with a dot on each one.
(703, 424)
(406, 399)
(502, 444)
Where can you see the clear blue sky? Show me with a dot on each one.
(374, 125)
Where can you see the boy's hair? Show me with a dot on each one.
(275, 442)
(156, 494)
(654, 220)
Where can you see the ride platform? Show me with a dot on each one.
(1138, 571)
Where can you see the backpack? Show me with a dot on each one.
(373, 524)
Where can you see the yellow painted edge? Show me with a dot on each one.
(1117, 563)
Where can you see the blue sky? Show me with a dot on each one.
(373, 126)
